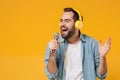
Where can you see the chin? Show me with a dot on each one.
(65, 37)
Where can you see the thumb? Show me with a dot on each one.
(100, 43)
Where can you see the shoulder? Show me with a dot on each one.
(89, 39)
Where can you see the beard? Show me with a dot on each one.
(68, 32)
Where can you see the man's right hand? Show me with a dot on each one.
(53, 45)
(52, 66)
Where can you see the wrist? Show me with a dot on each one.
(102, 58)
(52, 56)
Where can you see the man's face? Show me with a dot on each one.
(67, 25)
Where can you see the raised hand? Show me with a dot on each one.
(103, 49)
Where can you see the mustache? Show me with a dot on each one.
(63, 27)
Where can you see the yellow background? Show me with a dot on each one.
(26, 26)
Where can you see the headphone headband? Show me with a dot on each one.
(80, 15)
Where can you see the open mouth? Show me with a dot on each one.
(64, 30)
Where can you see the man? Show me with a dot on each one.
(75, 56)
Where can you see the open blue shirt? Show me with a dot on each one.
(90, 59)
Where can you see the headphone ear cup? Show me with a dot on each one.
(78, 24)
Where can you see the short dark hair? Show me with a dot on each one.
(76, 14)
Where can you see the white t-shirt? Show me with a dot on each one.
(73, 62)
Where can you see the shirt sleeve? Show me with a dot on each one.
(49, 75)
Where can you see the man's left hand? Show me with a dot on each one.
(103, 49)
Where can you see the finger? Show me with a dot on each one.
(52, 47)
(58, 42)
(108, 41)
(53, 42)
(100, 43)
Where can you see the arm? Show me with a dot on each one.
(50, 60)
(52, 66)
(103, 50)
(102, 69)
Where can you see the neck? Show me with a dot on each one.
(75, 37)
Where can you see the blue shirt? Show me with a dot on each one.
(90, 59)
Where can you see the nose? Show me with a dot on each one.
(62, 23)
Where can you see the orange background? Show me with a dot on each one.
(26, 26)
